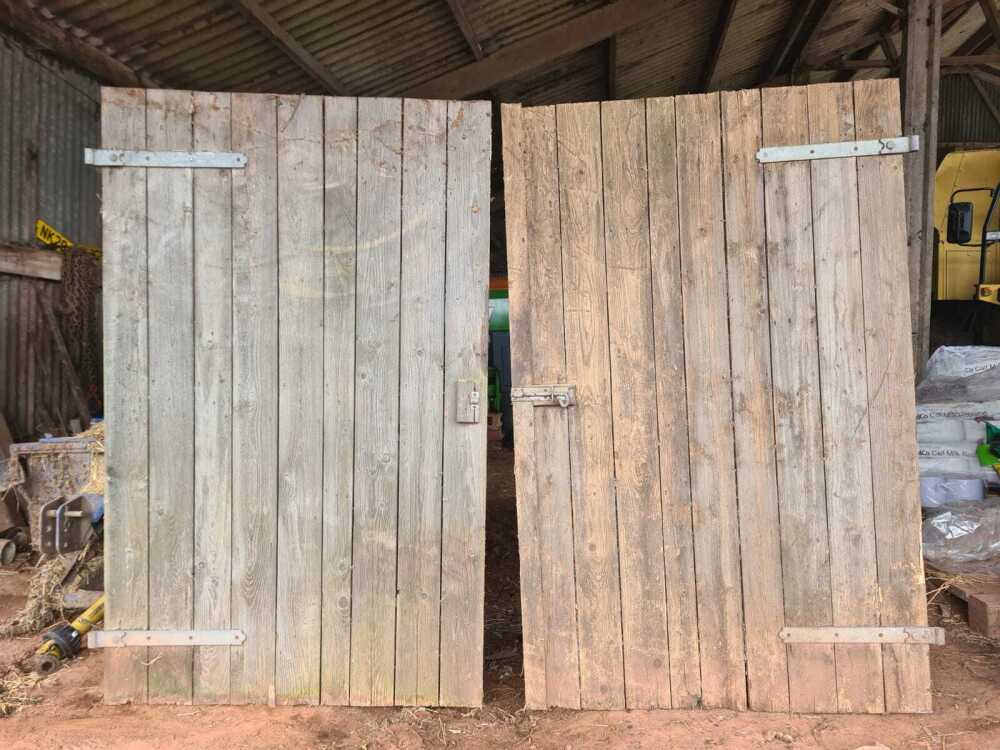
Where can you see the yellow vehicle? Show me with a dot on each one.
(967, 217)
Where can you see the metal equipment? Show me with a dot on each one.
(63, 642)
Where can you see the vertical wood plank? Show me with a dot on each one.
(798, 421)
(598, 592)
(551, 444)
(675, 480)
(421, 401)
(300, 397)
(709, 388)
(891, 397)
(340, 227)
(171, 394)
(125, 311)
(213, 365)
(843, 375)
(255, 396)
(750, 352)
(377, 374)
(533, 627)
(633, 401)
(463, 522)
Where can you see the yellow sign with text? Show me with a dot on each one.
(51, 237)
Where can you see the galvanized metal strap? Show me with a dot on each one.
(545, 395)
(900, 634)
(100, 157)
(126, 638)
(876, 147)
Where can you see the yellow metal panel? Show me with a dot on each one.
(957, 266)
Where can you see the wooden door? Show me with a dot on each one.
(736, 453)
(294, 352)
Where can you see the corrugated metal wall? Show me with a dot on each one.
(964, 117)
(48, 114)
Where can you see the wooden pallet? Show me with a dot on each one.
(983, 601)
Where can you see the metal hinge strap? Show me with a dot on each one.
(125, 638)
(900, 634)
(876, 147)
(545, 395)
(100, 157)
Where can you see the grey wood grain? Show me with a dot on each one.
(300, 398)
(672, 410)
(798, 421)
(170, 233)
(750, 352)
(633, 400)
(843, 375)
(213, 393)
(376, 435)
(255, 397)
(422, 392)
(595, 523)
(126, 368)
(463, 520)
(710, 413)
(340, 261)
(891, 398)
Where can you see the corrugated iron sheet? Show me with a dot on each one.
(964, 116)
(34, 393)
(388, 48)
(47, 116)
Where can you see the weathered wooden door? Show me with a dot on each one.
(294, 353)
(734, 452)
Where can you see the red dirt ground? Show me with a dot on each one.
(70, 714)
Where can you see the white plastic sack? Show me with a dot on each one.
(956, 468)
(962, 533)
(962, 361)
(939, 491)
(950, 449)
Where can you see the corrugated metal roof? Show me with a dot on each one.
(381, 47)
(964, 116)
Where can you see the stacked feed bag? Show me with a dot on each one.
(959, 396)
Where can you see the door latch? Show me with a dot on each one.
(467, 399)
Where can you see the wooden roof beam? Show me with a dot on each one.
(718, 40)
(800, 31)
(528, 54)
(992, 17)
(951, 61)
(67, 46)
(462, 21)
(268, 25)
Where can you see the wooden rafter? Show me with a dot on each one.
(67, 46)
(951, 61)
(462, 20)
(806, 20)
(269, 26)
(718, 39)
(537, 50)
(992, 18)
(613, 67)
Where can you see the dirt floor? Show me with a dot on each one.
(69, 712)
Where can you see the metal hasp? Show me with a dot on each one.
(102, 157)
(877, 147)
(467, 401)
(545, 395)
(900, 634)
(65, 524)
(126, 638)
